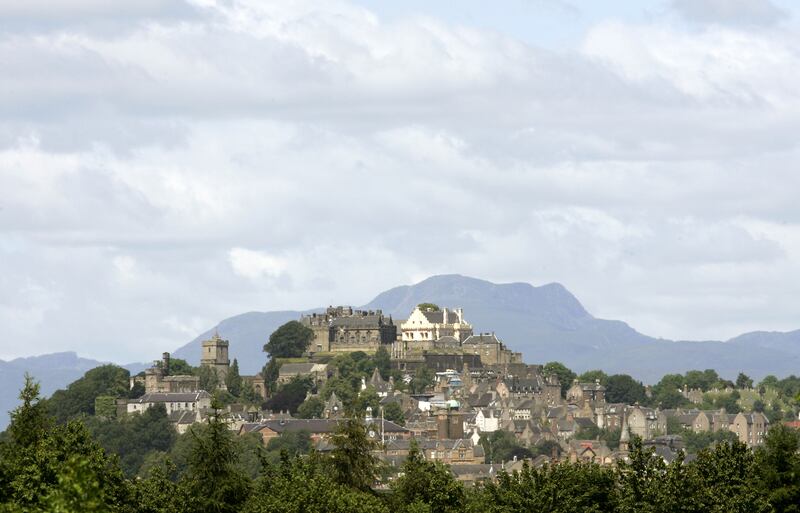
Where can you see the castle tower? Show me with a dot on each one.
(215, 355)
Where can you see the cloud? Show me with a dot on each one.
(273, 155)
(255, 264)
(736, 12)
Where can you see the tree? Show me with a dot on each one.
(426, 483)
(133, 437)
(306, 485)
(271, 372)
(557, 488)
(422, 380)
(352, 461)
(78, 398)
(724, 479)
(311, 408)
(778, 466)
(565, 375)
(209, 379)
(290, 396)
(500, 446)
(29, 421)
(213, 479)
(621, 388)
(179, 367)
(289, 341)
(592, 376)
(394, 413)
(667, 392)
(743, 381)
(233, 381)
(383, 362)
(428, 307)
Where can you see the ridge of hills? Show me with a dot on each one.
(545, 323)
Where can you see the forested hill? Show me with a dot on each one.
(53, 371)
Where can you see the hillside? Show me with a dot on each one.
(544, 323)
(53, 371)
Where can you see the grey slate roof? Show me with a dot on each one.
(171, 397)
(317, 425)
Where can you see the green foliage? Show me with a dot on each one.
(500, 446)
(426, 483)
(778, 466)
(311, 408)
(306, 486)
(621, 388)
(209, 379)
(728, 401)
(565, 375)
(270, 372)
(290, 396)
(179, 367)
(394, 413)
(422, 380)
(291, 444)
(723, 479)
(383, 362)
(352, 462)
(105, 406)
(667, 392)
(368, 398)
(428, 306)
(79, 396)
(233, 381)
(695, 442)
(214, 481)
(647, 483)
(29, 421)
(559, 488)
(743, 381)
(592, 376)
(132, 437)
(289, 341)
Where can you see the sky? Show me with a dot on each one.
(165, 164)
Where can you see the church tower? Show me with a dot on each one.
(215, 355)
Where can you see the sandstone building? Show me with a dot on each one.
(341, 329)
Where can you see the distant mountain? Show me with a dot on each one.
(545, 323)
(53, 371)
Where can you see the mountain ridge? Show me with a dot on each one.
(545, 323)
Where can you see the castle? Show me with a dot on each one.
(429, 333)
(214, 355)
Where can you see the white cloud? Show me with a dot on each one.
(255, 264)
(273, 155)
(737, 12)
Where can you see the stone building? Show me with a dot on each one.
(582, 393)
(751, 428)
(491, 350)
(341, 330)
(157, 379)
(424, 327)
(215, 355)
(173, 402)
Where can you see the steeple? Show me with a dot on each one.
(625, 435)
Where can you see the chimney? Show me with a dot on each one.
(444, 315)
(165, 360)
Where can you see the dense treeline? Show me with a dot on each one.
(51, 467)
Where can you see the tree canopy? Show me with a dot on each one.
(289, 341)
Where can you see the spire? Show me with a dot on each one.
(625, 435)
